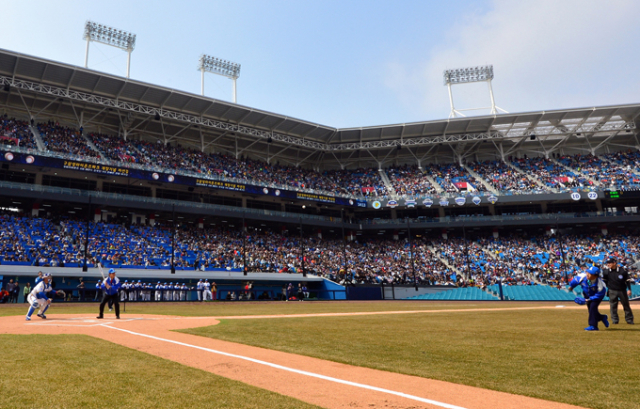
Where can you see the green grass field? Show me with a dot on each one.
(539, 353)
(77, 371)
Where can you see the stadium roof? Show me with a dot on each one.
(117, 103)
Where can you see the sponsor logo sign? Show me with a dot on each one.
(392, 203)
(410, 203)
(444, 202)
(460, 200)
(427, 202)
(376, 205)
(492, 199)
(476, 200)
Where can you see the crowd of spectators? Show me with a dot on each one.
(617, 170)
(454, 178)
(551, 174)
(60, 138)
(13, 130)
(475, 262)
(503, 178)
(116, 148)
(409, 181)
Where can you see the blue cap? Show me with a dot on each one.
(158, 282)
(111, 270)
(126, 281)
(593, 270)
(139, 281)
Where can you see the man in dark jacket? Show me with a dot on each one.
(617, 279)
(11, 289)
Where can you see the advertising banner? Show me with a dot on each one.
(123, 171)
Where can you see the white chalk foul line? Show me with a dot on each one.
(298, 371)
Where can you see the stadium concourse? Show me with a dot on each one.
(168, 186)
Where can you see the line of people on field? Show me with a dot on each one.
(139, 291)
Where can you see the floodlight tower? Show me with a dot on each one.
(468, 75)
(221, 67)
(109, 36)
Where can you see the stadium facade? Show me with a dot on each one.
(46, 180)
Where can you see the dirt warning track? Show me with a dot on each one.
(324, 383)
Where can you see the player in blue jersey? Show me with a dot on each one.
(593, 290)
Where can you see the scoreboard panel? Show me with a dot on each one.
(622, 194)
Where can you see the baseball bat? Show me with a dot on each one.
(100, 268)
(102, 274)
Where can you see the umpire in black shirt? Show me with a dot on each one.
(617, 280)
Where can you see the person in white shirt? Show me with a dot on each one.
(38, 297)
(207, 296)
(200, 288)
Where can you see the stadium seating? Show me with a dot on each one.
(530, 269)
(531, 293)
(410, 181)
(460, 294)
(13, 130)
(503, 178)
(65, 139)
(536, 260)
(610, 171)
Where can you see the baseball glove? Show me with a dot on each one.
(580, 301)
(61, 294)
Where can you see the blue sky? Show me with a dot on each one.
(356, 63)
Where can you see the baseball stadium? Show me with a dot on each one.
(165, 249)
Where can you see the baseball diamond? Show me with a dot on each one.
(362, 205)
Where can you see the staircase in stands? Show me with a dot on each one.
(576, 171)
(534, 180)
(36, 136)
(387, 183)
(483, 182)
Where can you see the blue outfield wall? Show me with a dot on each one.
(331, 291)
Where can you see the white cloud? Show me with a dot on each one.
(546, 54)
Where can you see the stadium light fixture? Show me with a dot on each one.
(110, 36)
(219, 66)
(469, 75)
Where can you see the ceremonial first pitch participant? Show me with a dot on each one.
(593, 290)
(111, 285)
(38, 297)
